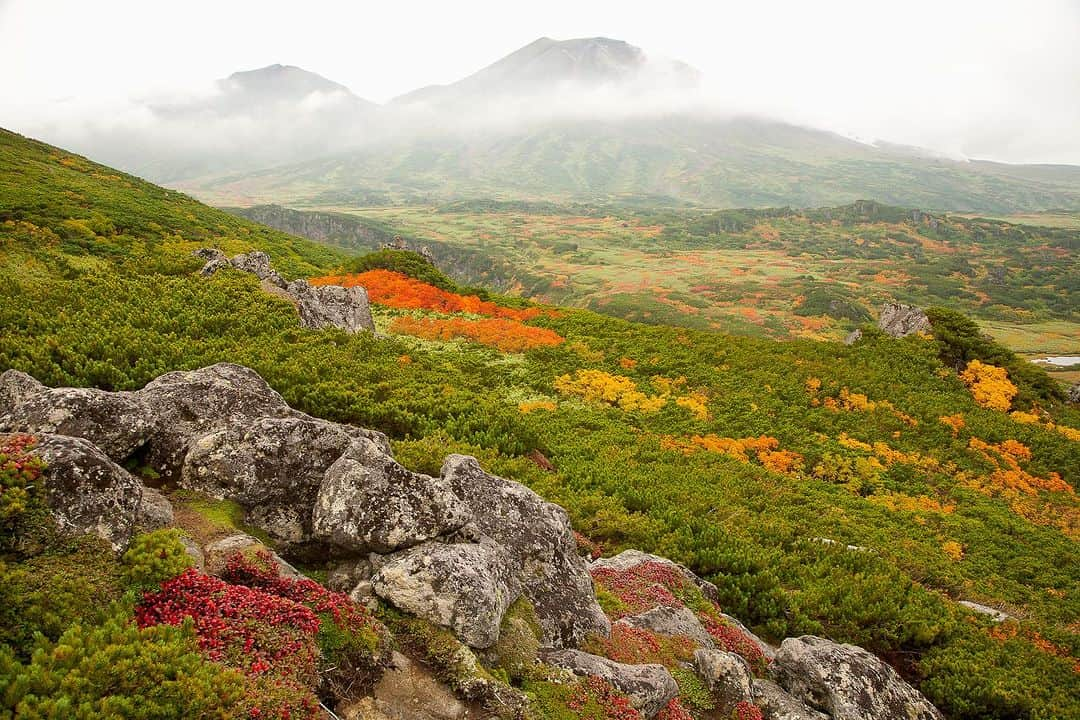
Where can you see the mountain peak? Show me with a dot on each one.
(547, 64)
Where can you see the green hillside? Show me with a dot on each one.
(754, 462)
(719, 163)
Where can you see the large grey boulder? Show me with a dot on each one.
(327, 306)
(466, 587)
(727, 676)
(664, 620)
(188, 404)
(116, 422)
(537, 538)
(272, 466)
(86, 491)
(649, 687)
(846, 682)
(775, 704)
(902, 320)
(367, 502)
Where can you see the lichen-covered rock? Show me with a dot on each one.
(154, 511)
(767, 650)
(991, 612)
(664, 620)
(466, 587)
(367, 502)
(272, 466)
(116, 422)
(86, 491)
(846, 682)
(327, 306)
(853, 337)
(902, 320)
(185, 405)
(408, 691)
(649, 687)
(776, 704)
(1074, 393)
(727, 676)
(537, 538)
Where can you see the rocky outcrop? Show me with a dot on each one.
(116, 422)
(664, 620)
(727, 676)
(406, 691)
(846, 682)
(466, 587)
(902, 320)
(853, 337)
(629, 559)
(537, 539)
(320, 307)
(992, 612)
(86, 491)
(649, 687)
(1074, 393)
(331, 306)
(775, 704)
(367, 502)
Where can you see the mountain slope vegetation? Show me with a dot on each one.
(756, 463)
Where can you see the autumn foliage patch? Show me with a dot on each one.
(394, 289)
(505, 335)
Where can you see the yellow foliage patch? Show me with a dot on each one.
(989, 385)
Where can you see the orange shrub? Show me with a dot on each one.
(989, 385)
(505, 335)
(597, 386)
(956, 422)
(401, 291)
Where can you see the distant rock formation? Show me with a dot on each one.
(1074, 393)
(320, 307)
(902, 320)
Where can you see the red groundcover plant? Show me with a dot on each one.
(651, 584)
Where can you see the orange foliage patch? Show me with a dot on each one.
(956, 422)
(989, 385)
(505, 335)
(401, 291)
(763, 447)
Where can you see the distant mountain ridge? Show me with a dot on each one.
(581, 120)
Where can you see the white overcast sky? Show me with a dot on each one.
(980, 78)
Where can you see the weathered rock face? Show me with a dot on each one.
(185, 405)
(853, 337)
(272, 466)
(776, 704)
(665, 620)
(1074, 393)
(86, 491)
(649, 687)
(846, 682)
(154, 511)
(901, 320)
(327, 306)
(256, 263)
(367, 502)
(116, 422)
(319, 307)
(728, 677)
(466, 587)
(537, 537)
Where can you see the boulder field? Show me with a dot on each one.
(459, 550)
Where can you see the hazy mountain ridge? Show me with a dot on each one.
(591, 120)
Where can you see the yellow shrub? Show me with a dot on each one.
(989, 385)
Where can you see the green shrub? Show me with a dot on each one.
(117, 671)
(154, 558)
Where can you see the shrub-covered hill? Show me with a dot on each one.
(755, 463)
